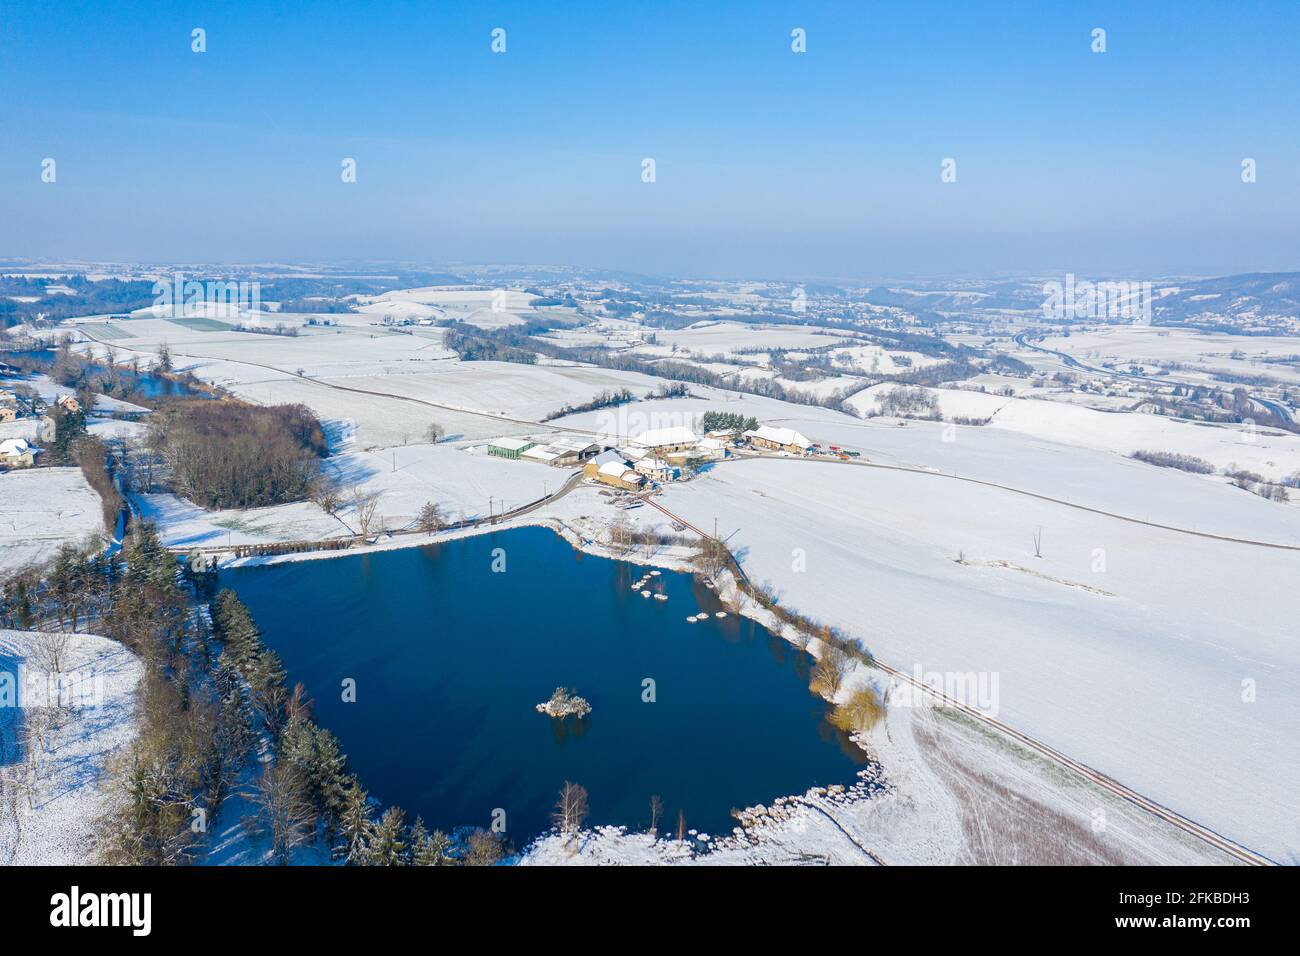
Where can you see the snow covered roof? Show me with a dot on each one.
(541, 453)
(616, 469)
(16, 447)
(569, 443)
(712, 444)
(781, 436)
(653, 464)
(606, 457)
(511, 444)
(676, 435)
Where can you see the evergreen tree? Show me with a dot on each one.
(430, 849)
(356, 826)
(388, 844)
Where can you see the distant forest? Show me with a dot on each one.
(88, 298)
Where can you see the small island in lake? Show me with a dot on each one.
(564, 704)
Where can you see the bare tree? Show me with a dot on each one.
(483, 848)
(571, 809)
(49, 650)
(430, 518)
(712, 557)
(284, 811)
(1038, 542)
(656, 812)
(620, 534)
(434, 433)
(681, 826)
(832, 664)
(327, 495)
(364, 508)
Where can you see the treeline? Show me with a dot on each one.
(1250, 481)
(306, 793)
(605, 399)
(1257, 484)
(96, 464)
(215, 718)
(473, 344)
(227, 454)
(519, 343)
(838, 653)
(88, 298)
(1169, 459)
(68, 591)
(728, 422)
(319, 306)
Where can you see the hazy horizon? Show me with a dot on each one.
(769, 163)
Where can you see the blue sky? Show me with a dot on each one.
(769, 163)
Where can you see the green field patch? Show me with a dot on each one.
(199, 324)
(107, 330)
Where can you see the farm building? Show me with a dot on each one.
(607, 456)
(711, 449)
(509, 447)
(563, 451)
(8, 413)
(657, 469)
(18, 453)
(662, 441)
(778, 439)
(614, 473)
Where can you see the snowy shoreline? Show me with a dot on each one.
(907, 807)
(754, 821)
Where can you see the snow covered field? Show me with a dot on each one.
(729, 338)
(1132, 649)
(486, 308)
(1161, 658)
(1082, 476)
(183, 524)
(56, 789)
(1201, 352)
(1271, 453)
(41, 509)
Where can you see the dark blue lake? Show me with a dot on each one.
(450, 659)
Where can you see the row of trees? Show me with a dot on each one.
(605, 399)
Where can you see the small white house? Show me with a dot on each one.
(656, 469)
(18, 453)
